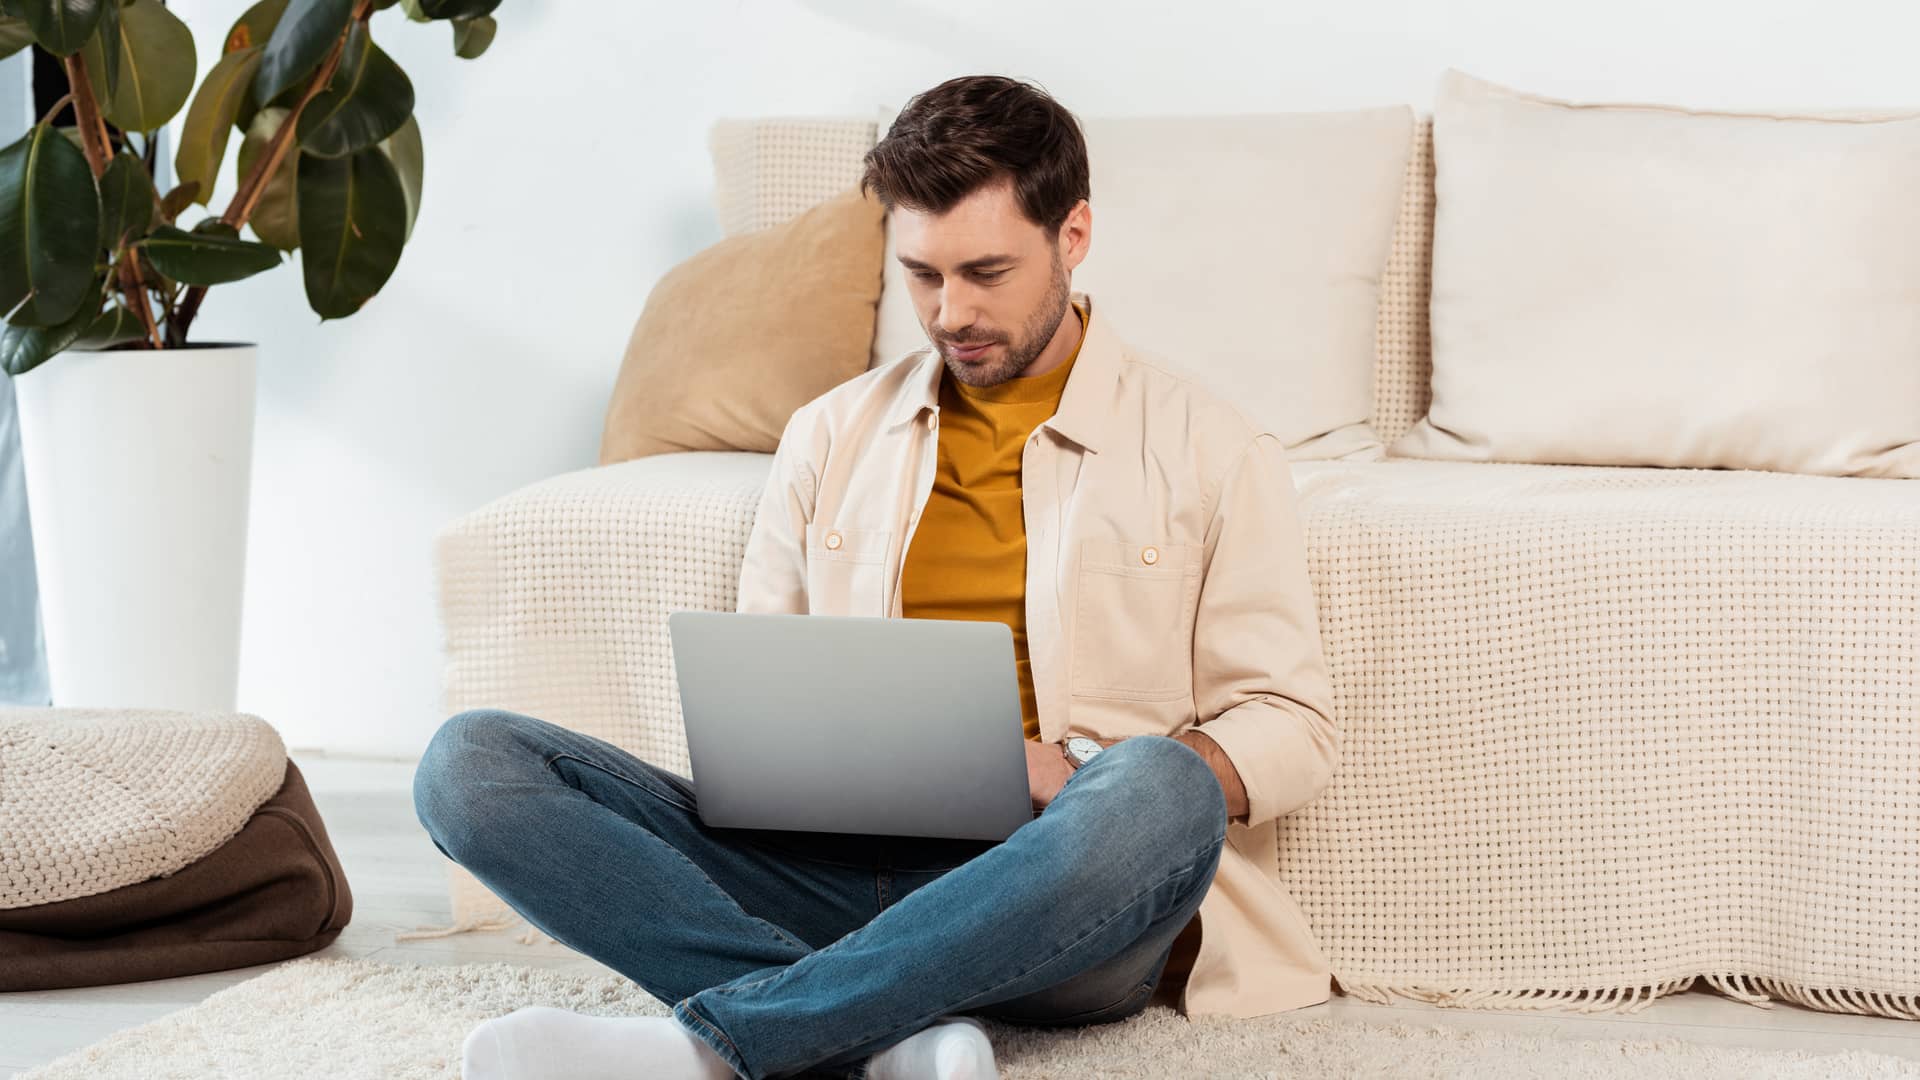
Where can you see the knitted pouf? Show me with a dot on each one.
(149, 843)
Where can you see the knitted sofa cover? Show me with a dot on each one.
(1606, 731)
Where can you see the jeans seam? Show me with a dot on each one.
(721, 1035)
(1217, 847)
(617, 774)
(716, 991)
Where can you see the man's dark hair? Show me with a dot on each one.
(977, 130)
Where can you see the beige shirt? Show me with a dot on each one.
(1166, 587)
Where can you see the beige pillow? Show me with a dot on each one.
(1623, 284)
(1246, 250)
(736, 338)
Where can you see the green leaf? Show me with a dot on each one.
(457, 9)
(23, 348)
(110, 327)
(409, 160)
(178, 199)
(206, 258)
(156, 67)
(254, 29)
(412, 8)
(254, 26)
(353, 223)
(213, 226)
(203, 138)
(472, 36)
(62, 26)
(127, 200)
(15, 34)
(300, 41)
(276, 217)
(49, 228)
(108, 59)
(368, 100)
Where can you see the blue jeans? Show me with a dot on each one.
(796, 953)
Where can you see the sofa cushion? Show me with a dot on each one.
(733, 340)
(1653, 285)
(1248, 250)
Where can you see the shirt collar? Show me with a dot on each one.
(1086, 405)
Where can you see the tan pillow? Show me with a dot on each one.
(1624, 284)
(736, 338)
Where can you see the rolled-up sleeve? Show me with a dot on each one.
(1261, 686)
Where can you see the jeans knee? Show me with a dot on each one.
(1168, 782)
(445, 776)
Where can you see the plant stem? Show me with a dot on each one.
(93, 143)
(57, 106)
(255, 185)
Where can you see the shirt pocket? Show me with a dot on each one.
(847, 570)
(1133, 619)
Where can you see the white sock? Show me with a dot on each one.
(951, 1048)
(540, 1042)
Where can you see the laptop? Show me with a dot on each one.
(853, 724)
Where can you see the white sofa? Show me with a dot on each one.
(1606, 730)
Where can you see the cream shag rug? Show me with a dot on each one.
(360, 1018)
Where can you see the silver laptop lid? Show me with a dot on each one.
(833, 723)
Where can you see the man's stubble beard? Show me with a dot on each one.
(1039, 331)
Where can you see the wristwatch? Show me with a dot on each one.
(1080, 750)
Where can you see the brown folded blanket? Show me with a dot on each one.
(273, 892)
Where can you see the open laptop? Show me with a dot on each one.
(853, 724)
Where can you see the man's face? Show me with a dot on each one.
(983, 275)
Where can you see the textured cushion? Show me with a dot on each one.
(1248, 250)
(1652, 285)
(93, 799)
(737, 337)
(147, 844)
(768, 169)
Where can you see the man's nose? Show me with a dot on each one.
(958, 311)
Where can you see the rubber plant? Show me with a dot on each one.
(93, 255)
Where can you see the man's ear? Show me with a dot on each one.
(1076, 235)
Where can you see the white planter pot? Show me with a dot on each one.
(138, 464)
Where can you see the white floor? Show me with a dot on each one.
(398, 884)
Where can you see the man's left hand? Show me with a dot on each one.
(1047, 771)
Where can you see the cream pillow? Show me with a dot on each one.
(1624, 284)
(1246, 250)
(733, 340)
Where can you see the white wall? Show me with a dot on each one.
(567, 169)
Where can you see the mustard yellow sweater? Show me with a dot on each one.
(968, 556)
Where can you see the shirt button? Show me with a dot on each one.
(1149, 555)
(833, 541)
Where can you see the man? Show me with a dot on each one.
(1140, 538)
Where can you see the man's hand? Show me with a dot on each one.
(1048, 769)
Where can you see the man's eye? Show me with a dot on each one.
(991, 274)
(925, 275)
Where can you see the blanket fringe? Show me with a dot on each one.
(1756, 990)
(471, 924)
